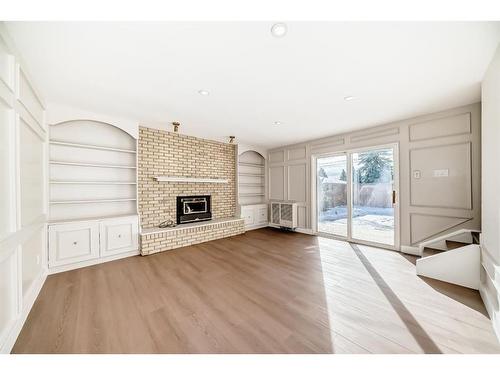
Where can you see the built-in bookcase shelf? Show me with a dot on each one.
(93, 147)
(92, 201)
(251, 178)
(92, 171)
(92, 165)
(94, 182)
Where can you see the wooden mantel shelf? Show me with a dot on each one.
(191, 179)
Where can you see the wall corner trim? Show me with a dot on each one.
(30, 299)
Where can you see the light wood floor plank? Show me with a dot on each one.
(265, 291)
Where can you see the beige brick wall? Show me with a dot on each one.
(173, 154)
(179, 237)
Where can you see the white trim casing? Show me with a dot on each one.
(396, 186)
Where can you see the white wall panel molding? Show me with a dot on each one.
(6, 95)
(371, 135)
(9, 244)
(426, 226)
(29, 100)
(297, 153)
(26, 117)
(29, 299)
(277, 156)
(489, 288)
(23, 159)
(441, 127)
(277, 182)
(326, 145)
(459, 126)
(297, 182)
(441, 176)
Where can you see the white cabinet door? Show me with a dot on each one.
(72, 243)
(119, 235)
(248, 213)
(261, 215)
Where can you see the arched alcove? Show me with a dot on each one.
(92, 171)
(251, 178)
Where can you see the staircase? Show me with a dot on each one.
(454, 258)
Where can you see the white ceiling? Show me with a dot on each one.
(152, 72)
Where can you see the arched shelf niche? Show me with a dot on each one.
(92, 169)
(251, 178)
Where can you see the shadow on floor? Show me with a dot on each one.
(466, 296)
(416, 330)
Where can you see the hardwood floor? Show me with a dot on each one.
(266, 291)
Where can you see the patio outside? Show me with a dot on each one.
(372, 185)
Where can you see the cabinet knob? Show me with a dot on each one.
(119, 236)
(74, 243)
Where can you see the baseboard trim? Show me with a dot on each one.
(30, 299)
(92, 262)
(490, 308)
(304, 230)
(258, 226)
(412, 250)
(490, 295)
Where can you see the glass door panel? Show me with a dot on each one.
(332, 194)
(372, 196)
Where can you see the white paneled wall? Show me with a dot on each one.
(23, 200)
(430, 204)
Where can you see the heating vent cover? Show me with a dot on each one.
(275, 207)
(284, 214)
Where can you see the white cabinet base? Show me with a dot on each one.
(118, 235)
(71, 243)
(255, 215)
(84, 243)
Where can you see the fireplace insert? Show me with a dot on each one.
(193, 208)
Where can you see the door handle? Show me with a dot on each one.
(394, 197)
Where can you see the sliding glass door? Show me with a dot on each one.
(356, 195)
(332, 195)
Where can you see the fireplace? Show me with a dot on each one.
(193, 208)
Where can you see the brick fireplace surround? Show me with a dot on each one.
(162, 153)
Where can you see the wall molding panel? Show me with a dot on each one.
(370, 135)
(435, 131)
(23, 188)
(441, 127)
(424, 226)
(461, 159)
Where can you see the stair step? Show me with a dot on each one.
(429, 251)
(455, 244)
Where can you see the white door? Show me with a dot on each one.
(356, 195)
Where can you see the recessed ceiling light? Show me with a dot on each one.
(278, 30)
(204, 92)
(277, 123)
(348, 98)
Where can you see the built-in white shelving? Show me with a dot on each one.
(191, 179)
(92, 201)
(93, 147)
(251, 178)
(94, 182)
(92, 165)
(92, 171)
